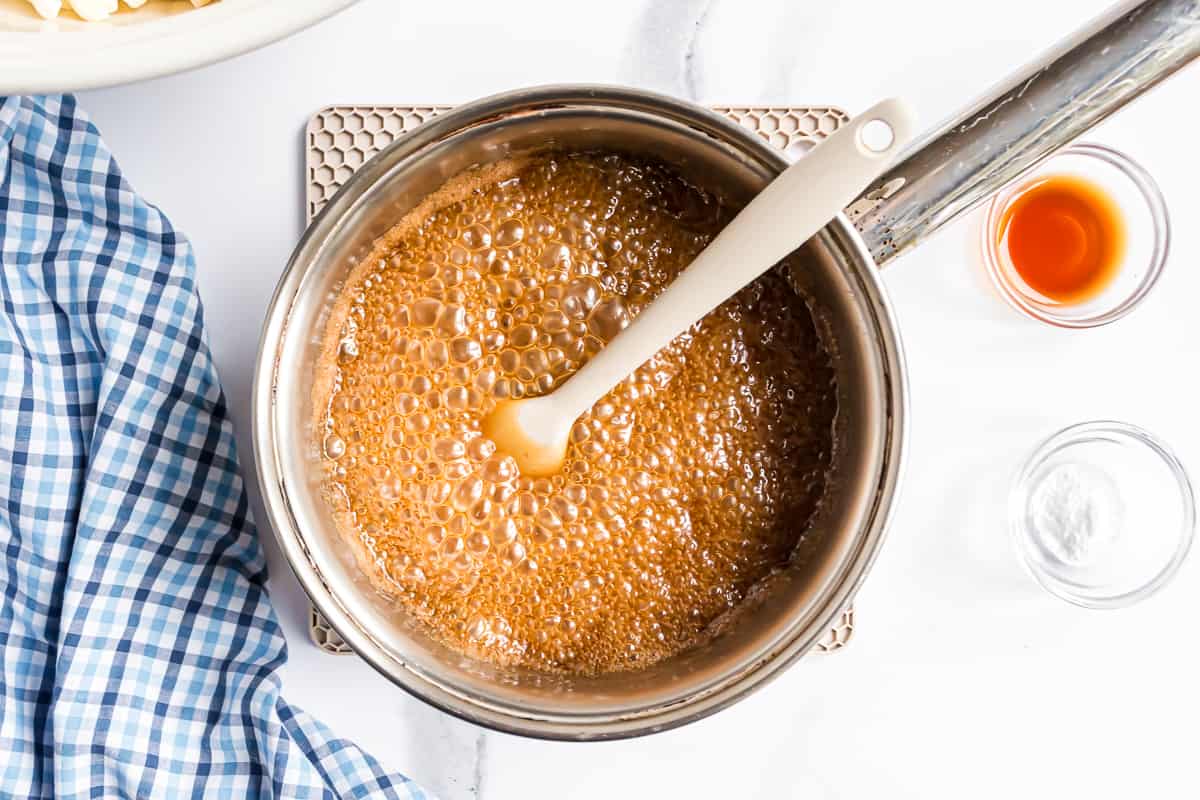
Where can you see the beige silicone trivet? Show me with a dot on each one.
(340, 139)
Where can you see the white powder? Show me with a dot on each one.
(1076, 510)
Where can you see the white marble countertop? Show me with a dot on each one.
(963, 678)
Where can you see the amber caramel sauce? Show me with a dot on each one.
(684, 486)
(1065, 238)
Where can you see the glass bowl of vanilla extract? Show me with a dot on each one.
(1080, 240)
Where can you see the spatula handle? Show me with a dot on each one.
(783, 216)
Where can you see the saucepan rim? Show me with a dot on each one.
(845, 578)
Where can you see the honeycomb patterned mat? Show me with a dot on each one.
(340, 139)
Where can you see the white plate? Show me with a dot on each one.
(162, 37)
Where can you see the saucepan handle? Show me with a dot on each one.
(1033, 113)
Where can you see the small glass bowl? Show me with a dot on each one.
(1149, 503)
(1147, 237)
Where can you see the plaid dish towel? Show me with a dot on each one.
(138, 648)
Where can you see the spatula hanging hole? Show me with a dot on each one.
(877, 136)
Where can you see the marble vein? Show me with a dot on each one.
(663, 52)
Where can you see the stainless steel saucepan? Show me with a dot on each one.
(1029, 116)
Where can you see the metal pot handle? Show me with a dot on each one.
(1034, 112)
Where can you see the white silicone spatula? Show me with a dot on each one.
(783, 216)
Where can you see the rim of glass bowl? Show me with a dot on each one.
(1075, 434)
(1160, 223)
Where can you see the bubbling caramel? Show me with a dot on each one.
(689, 482)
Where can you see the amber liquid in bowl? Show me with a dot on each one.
(688, 483)
(1065, 238)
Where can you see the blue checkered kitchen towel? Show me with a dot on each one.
(138, 648)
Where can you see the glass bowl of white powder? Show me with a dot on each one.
(1102, 514)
